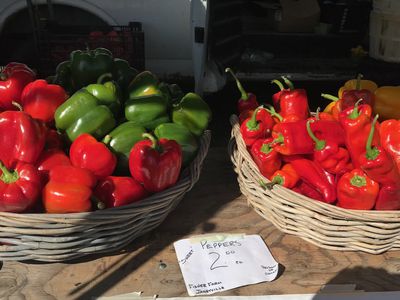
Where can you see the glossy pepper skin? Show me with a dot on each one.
(358, 83)
(328, 154)
(13, 79)
(19, 188)
(22, 138)
(313, 174)
(286, 176)
(386, 102)
(388, 198)
(266, 158)
(193, 113)
(49, 159)
(69, 190)
(334, 108)
(183, 136)
(123, 74)
(155, 164)
(121, 140)
(40, 99)
(357, 191)
(389, 132)
(86, 152)
(377, 163)
(356, 122)
(253, 128)
(351, 96)
(115, 191)
(88, 65)
(247, 101)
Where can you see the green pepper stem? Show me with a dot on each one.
(268, 185)
(154, 143)
(355, 112)
(7, 176)
(102, 77)
(266, 148)
(278, 83)
(278, 179)
(107, 139)
(317, 113)
(253, 123)
(319, 144)
(358, 181)
(329, 97)
(273, 112)
(244, 96)
(371, 152)
(279, 140)
(358, 82)
(288, 83)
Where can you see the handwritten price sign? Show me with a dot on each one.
(214, 263)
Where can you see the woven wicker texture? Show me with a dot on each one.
(62, 237)
(324, 225)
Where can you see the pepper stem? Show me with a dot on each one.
(266, 148)
(358, 82)
(253, 123)
(358, 181)
(273, 112)
(279, 140)
(7, 176)
(101, 78)
(107, 139)
(319, 144)
(329, 97)
(278, 179)
(154, 143)
(244, 96)
(17, 105)
(355, 113)
(278, 83)
(288, 83)
(317, 113)
(371, 152)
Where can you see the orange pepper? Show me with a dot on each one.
(363, 84)
(387, 104)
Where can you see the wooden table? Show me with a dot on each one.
(213, 205)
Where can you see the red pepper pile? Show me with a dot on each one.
(345, 157)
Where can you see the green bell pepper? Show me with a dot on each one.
(123, 74)
(144, 84)
(121, 140)
(182, 136)
(63, 77)
(87, 66)
(84, 113)
(193, 113)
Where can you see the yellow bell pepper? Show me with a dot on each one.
(387, 102)
(352, 85)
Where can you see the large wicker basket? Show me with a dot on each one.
(62, 237)
(324, 225)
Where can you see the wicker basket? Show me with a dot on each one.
(62, 237)
(322, 224)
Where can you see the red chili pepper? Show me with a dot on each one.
(388, 198)
(356, 190)
(328, 154)
(22, 138)
(350, 97)
(356, 123)
(69, 190)
(265, 157)
(292, 138)
(389, 131)
(155, 163)
(377, 163)
(247, 100)
(49, 159)
(254, 128)
(86, 152)
(286, 176)
(40, 99)
(313, 174)
(13, 79)
(114, 191)
(293, 101)
(19, 188)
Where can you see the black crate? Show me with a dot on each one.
(57, 42)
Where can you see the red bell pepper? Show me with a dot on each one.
(328, 154)
(255, 128)
(388, 198)
(356, 122)
(86, 152)
(377, 163)
(266, 158)
(40, 99)
(356, 190)
(247, 100)
(313, 174)
(22, 138)
(308, 190)
(69, 190)
(350, 97)
(49, 159)
(155, 163)
(277, 96)
(19, 188)
(286, 176)
(13, 79)
(389, 131)
(293, 101)
(54, 140)
(114, 191)
(278, 118)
